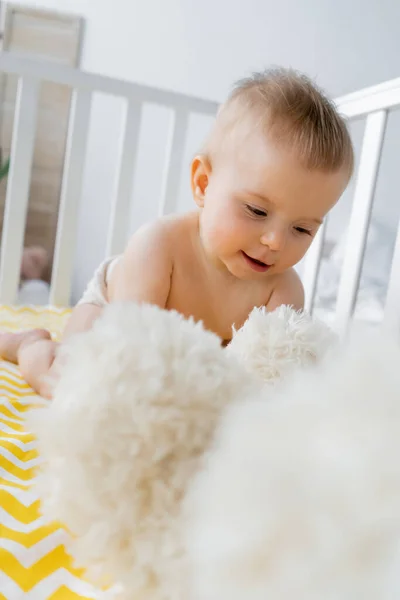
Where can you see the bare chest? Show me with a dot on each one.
(219, 305)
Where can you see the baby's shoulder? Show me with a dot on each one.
(287, 289)
(178, 233)
(182, 224)
(165, 237)
(158, 232)
(171, 227)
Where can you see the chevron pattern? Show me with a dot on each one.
(34, 564)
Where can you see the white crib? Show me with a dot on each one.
(372, 104)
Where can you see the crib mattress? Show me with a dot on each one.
(34, 563)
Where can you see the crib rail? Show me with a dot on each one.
(31, 74)
(373, 104)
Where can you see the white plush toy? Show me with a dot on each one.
(182, 476)
(299, 498)
(273, 345)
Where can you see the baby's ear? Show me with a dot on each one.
(200, 173)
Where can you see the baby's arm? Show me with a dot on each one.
(144, 273)
(289, 290)
(35, 351)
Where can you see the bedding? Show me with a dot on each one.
(34, 564)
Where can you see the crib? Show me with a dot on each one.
(33, 561)
(372, 104)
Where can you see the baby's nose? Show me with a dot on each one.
(274, 239)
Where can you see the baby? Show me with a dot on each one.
(276, 161)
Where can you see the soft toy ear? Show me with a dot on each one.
(272, 345)
(134, 410)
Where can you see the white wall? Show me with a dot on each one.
(201, 48)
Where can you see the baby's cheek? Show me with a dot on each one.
(218, 235)
(214, 233)
(295, 253)
(306, 243)
(225, 227)
(228, 232)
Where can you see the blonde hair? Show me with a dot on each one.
(288, 106)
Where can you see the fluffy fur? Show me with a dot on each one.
(182, 475)
(273, 345)
(135, 408)
(300, 496)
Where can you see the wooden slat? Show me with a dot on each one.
(18, 185)
(119, 222)
(174, 162)
(71, 192)
(391, 321)
(360, 218)
(311, 267)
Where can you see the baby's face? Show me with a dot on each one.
(262, 209)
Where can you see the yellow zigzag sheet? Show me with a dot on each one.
(34, 564)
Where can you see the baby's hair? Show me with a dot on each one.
(290, 108)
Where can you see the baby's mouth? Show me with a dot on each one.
(256, 264)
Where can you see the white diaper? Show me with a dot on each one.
(96, 290)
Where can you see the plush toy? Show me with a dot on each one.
(183, 474)
(273, 345)
(299, 496)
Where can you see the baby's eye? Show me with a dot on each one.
(256, 211)
(303, 230)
